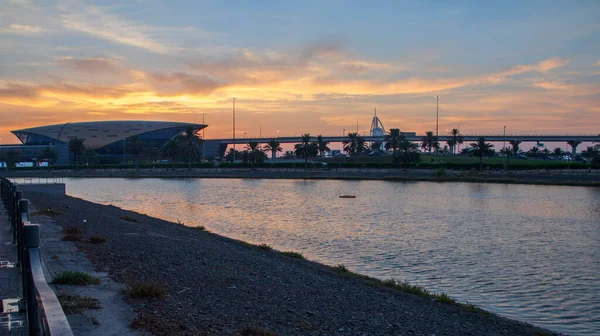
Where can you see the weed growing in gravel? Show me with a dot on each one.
(48, 212)
(292, 254)
(72, 230)
(346, 273)
(74, 278)
(130, 219)
(71, 233)
(265, 247)
(444, 298)
(72, 238)
(97, 240)
(146, 290)
(76, 304)
(472, 308)
(406, 286)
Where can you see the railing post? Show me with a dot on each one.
(23, 217)
(14, 206)
(31, 240)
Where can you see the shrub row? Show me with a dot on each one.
(333, 165)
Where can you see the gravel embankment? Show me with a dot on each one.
(220, 286)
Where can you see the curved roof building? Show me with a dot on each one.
(99, 135)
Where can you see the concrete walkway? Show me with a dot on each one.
(12, 321)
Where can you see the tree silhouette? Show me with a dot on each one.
(429, 142)
(273, 146)
(322, 145)
(481, 148)
(76, 147)
(393, 139)
(354, 145)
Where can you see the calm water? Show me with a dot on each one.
(526, 252)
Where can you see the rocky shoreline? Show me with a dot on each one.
(220, 286)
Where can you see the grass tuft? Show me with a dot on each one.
(444, 298)
(72, 238)
(72, 233)
(180, 223)
(146, 290)
(292, 254)
(74, 278)
(199, 228)
(345, 272)
(72, 230)
(97, 240)
(265, 247)
(77, 304)
(130, 219)
(48, 212)
(407, 287)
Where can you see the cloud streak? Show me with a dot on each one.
(97, 22)
(89, 65)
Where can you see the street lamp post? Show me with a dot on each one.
(437, 115)
(204, 129)
(504, 138)
(233, 130)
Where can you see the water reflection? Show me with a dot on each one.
(527, 252)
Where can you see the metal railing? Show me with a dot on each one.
(37, 180)
(45, 315)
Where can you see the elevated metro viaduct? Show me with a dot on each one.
(217, 147)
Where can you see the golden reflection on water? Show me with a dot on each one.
(527, 252)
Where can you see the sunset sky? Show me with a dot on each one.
(303, 66)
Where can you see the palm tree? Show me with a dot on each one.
(515, 146)
(451, 144)
(76, 147)
(170, 150)
(273, 146)
(480, 148)
(375, 146)
(533, 151)
(322, 145)
(255, 154)
(12, 158)
(50, 155)
(430, 141)
(508, 152)
(303, 148)
(190, 145)
(89, 155)
(407, 152)
(393, 139)
(134, 147)
(354, 145)
(456, 138)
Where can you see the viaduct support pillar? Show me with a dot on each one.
(573, 144)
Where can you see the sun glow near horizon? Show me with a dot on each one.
(105, 62)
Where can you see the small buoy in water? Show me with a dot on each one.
(347, 196)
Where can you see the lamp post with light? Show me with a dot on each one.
(437, 115)
(233, 130)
